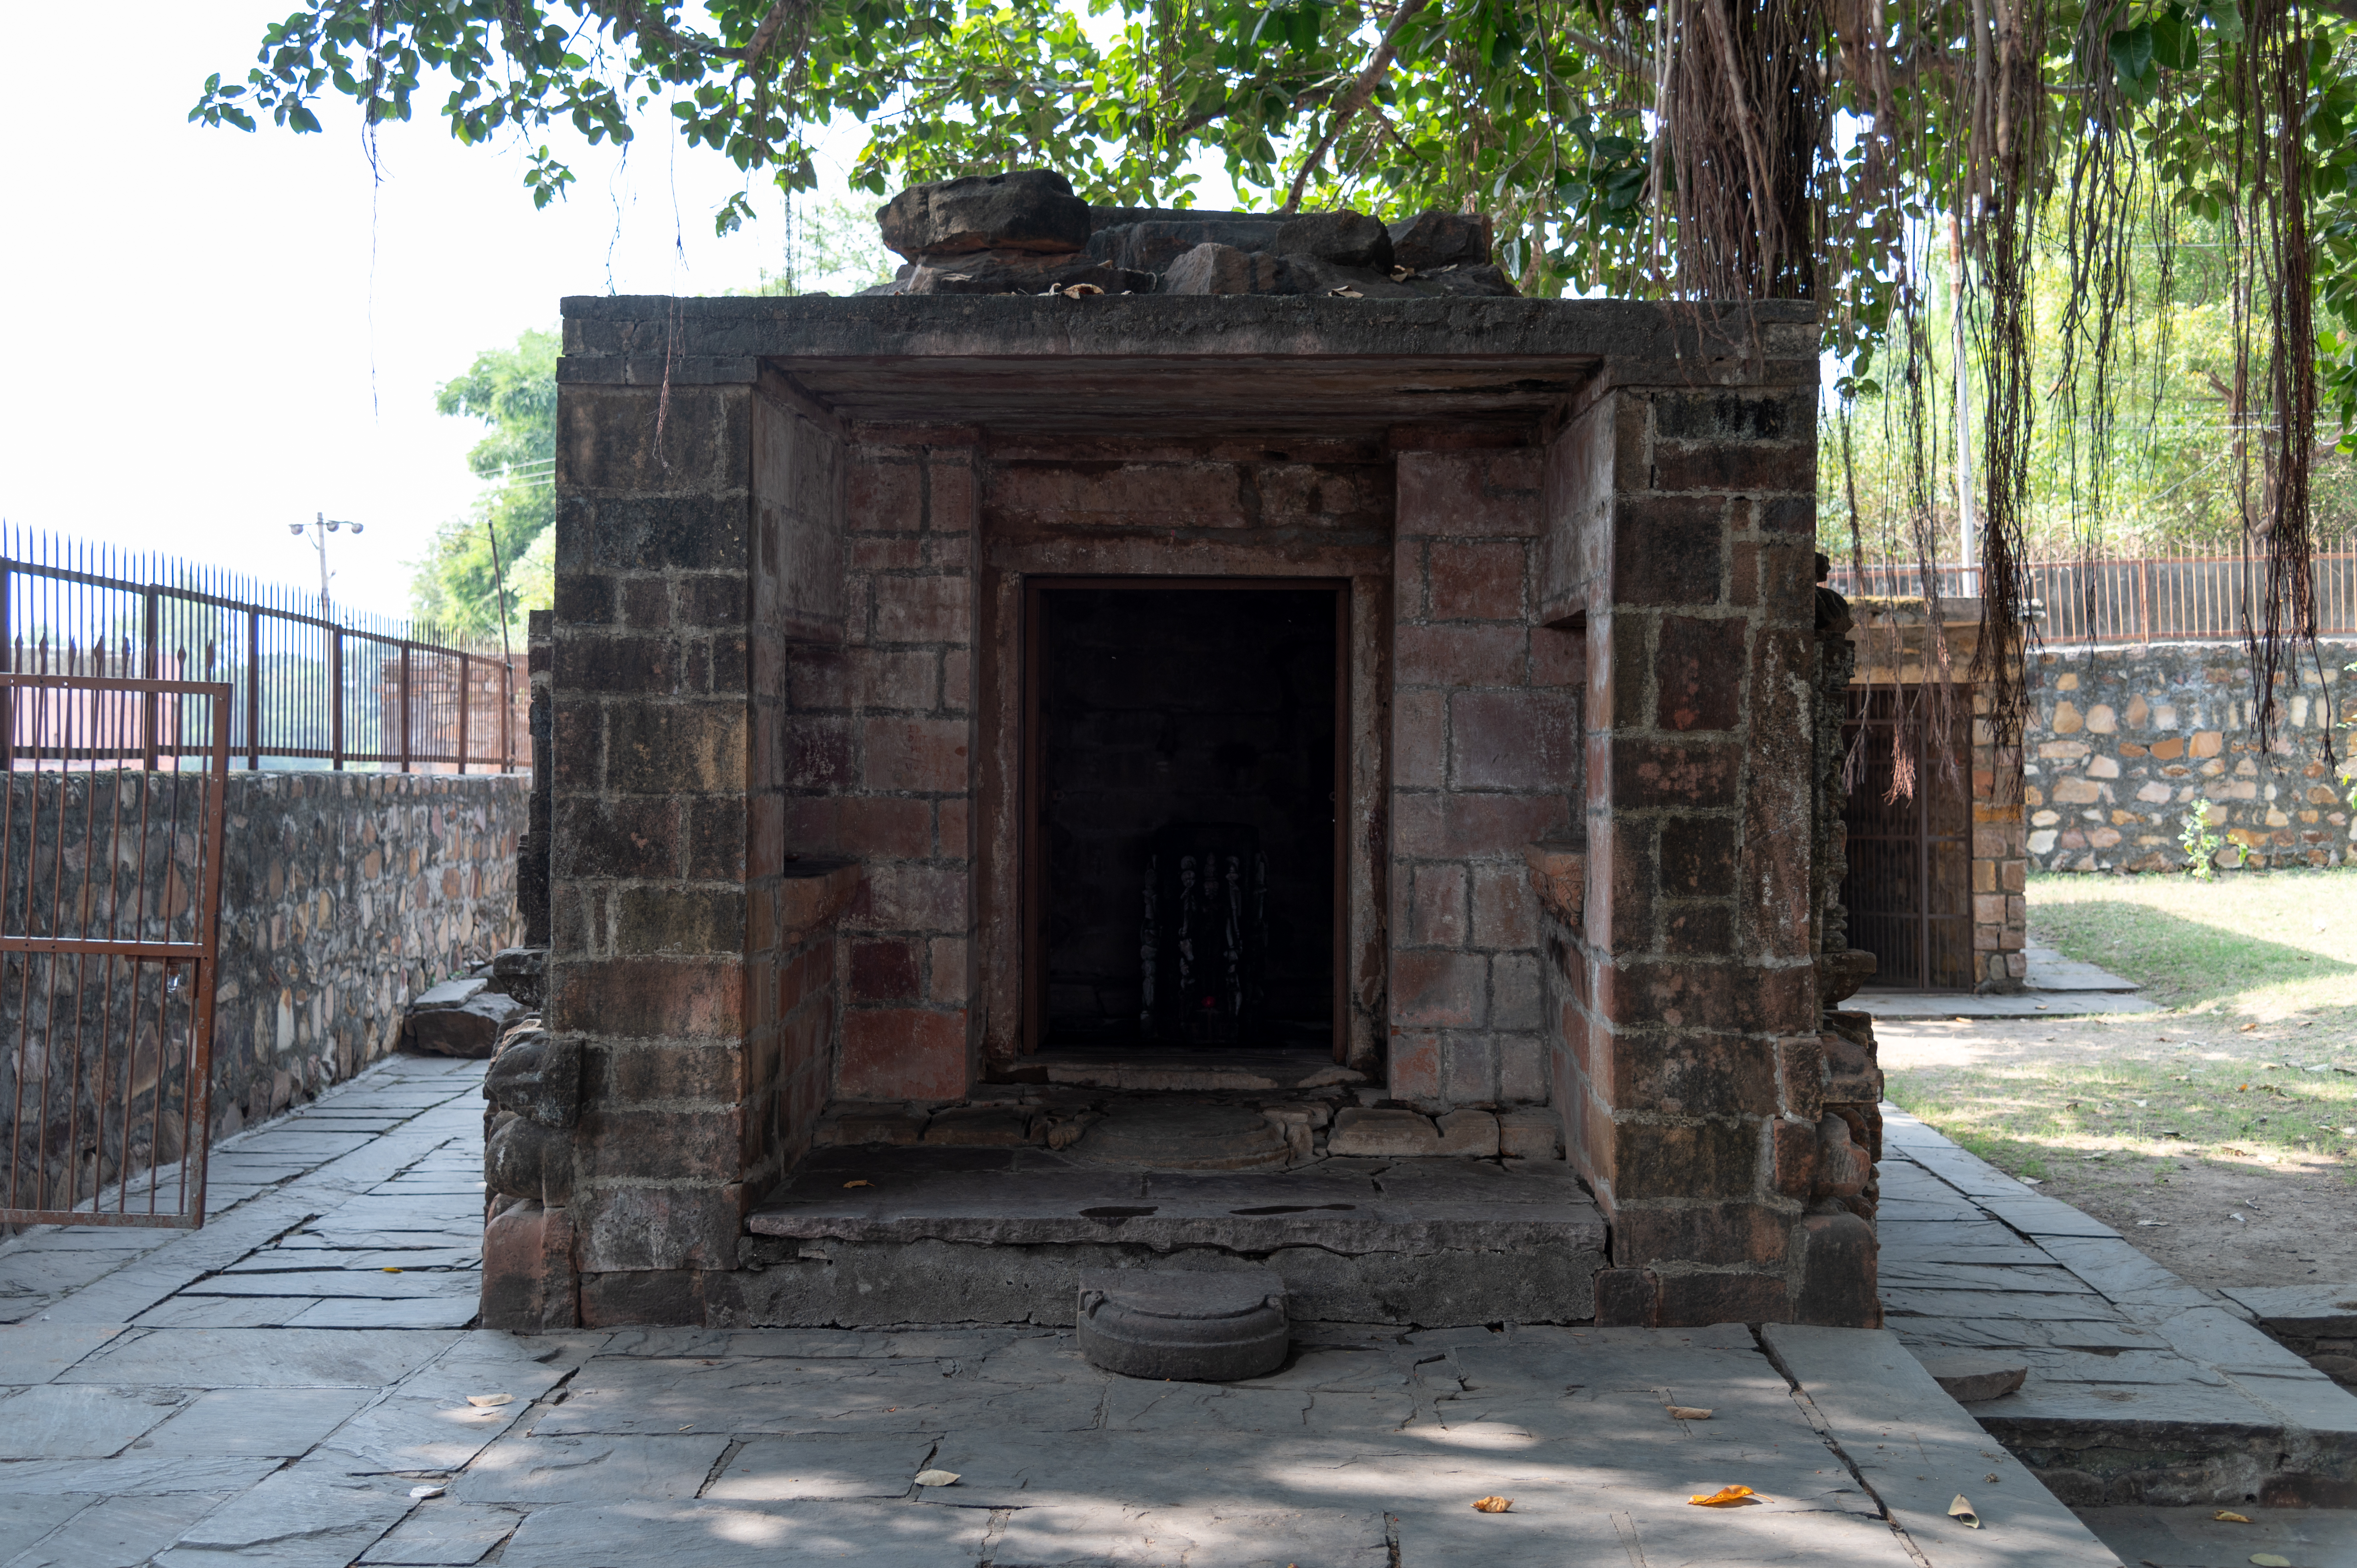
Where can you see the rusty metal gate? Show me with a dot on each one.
(1908, 889)
(109, 900)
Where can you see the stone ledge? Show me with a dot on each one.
(814, 893)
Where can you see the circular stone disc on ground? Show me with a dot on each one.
(1184, 1138)
(1193, 1325)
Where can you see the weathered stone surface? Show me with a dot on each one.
(1152, 244)
(529, 1283)
(459, 1018)
(1185, 1138)
(1529, 1134)
(1559, 873)
(1363, 1130)
(1345, 239)
(526, 1159)
(1188, 1325)
(979, 1127)
(851, 1124)
(1971, 1380)
(537, 1077)
(1473, 1132)
(1436, 239)
(1021, 272)
(1029, 209)
(1214, 268)
(522, 973)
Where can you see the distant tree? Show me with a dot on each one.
(513, 392)
(836, 247)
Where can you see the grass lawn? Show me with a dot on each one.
(2254, 1064)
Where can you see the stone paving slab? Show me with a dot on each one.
(2141, 1389)
(2197, 1538)
(223, 1428)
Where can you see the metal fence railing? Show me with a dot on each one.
(307, 689)
(2152, 599)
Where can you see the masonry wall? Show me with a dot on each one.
(1688, 1057)
(1487, 758)
(2126, 739)
(343, 894)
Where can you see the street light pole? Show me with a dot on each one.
(318, 529)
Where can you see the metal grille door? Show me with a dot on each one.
(109, 899)
(1908, 890)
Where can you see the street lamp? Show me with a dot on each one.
(318, 529)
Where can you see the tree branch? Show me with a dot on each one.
(767, 33)
(1353, 100)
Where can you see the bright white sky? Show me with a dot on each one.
(219, 334)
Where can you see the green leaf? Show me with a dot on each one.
(2131, 53)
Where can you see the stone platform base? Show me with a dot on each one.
(1003, 1235)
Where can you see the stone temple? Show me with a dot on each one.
(1164, 740)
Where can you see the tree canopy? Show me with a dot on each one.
(1662, 148)
(513, 392)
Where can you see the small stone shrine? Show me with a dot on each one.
(910, 654)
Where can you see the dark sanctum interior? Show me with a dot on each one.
(1188, 789)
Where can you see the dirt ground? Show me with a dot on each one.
(2218, 1150)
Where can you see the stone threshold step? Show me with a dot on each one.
(871, 1236)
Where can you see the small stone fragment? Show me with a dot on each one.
(1688, 1412)
(460, 1018)
(1223, 269)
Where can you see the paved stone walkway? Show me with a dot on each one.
(2142, 1389)
(265, 1392)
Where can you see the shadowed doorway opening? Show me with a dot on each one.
(1182, 766)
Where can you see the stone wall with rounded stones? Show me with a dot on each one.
(343, 894)
(2124, 739)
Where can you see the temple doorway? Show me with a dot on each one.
(1182, 767)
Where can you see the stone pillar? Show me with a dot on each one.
(699, 529)
(1681, 523)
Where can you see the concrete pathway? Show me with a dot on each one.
(266, 1391)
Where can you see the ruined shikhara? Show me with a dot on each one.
(1589, 824)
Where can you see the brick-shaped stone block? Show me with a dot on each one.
(1527, 739)
(902, 1053)
(1705, 1160)
(1439, 989)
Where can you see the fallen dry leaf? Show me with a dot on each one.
(1492, 1505)
(1961, 1512)
(1079, 290)
(2230, 1517)
(490, 1401)
(391, 1271)
(1688, 1413)
(2247, 1028)
(424, 1492)
(937, 1477)
(2269, 1560)
(1725, 1498)
(849, 1184)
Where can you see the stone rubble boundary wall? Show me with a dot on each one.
(2124, 738)
(343, 894)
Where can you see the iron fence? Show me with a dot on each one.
(110, 905)
(2150, 599)
(333, 689)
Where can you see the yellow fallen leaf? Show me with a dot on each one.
(936, 1478)
(2269, 1560)
(2230, 1517)
(1725, 1498)
(1961, 1512)
(1688, 1413)
(1492, 1505)
(859, 1184)
(490, 1401)
(392, 1271)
